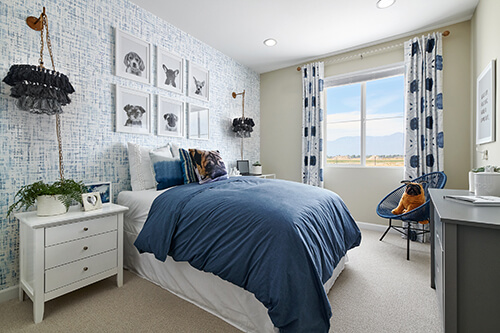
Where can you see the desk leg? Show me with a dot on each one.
(433, 245)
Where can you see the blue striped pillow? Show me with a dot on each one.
(187, 167)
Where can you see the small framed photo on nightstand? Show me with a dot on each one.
(91, 201)
(104, 188)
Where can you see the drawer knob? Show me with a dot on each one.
(85, 269)
(85, 229)
(85, 248)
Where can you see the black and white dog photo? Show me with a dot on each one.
(171, 75)
(170, 122)
(198, 85)
(134, 64)
(134, 114)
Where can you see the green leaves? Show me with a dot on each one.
(69, 190)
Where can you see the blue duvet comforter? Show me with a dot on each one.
(279, 240)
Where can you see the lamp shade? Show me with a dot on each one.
(243, 126)
(38, 89)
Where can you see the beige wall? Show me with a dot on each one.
(363, 188)
(486, 47)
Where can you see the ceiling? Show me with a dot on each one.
(305, 29)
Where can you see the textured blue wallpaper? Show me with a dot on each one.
(83, 40)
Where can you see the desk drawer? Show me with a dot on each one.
(72, 231)
(66, 274)
(82, 248)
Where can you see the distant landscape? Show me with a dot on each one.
(380, 150)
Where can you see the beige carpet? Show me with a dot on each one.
(379, 291)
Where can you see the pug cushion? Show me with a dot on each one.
(412, 198)
(208, 165)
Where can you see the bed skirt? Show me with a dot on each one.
(221, 298)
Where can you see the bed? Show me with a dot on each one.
(225, 265)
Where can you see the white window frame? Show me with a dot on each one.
(361, 77)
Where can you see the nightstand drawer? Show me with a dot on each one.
(69, 232)
(82, 248)
(64, 275)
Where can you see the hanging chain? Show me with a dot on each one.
(45, 26)
(49, 44)
(59, 141)
(40, 60)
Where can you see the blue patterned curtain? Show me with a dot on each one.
(424, 140)
(312, 124)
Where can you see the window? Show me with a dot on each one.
(365, 118)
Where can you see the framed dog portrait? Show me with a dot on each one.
(133, 111)
(198, 82)
(170, 71)
(104, 189)
(91, 201)
(132, 57)
(198, 122)
(170, 117)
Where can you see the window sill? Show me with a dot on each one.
(362, 167)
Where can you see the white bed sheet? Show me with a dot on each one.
(223, 299)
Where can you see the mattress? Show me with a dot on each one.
(223, 299)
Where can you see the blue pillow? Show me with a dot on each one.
(167, 171)
(188, 173)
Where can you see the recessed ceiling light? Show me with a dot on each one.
(385, 3)
(270, 42)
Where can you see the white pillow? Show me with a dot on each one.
(141, 173)
(175, 150)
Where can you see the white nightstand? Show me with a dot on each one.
(61, 253)
(267, 175)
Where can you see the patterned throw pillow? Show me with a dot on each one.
(167, 170)
(187, 167)
(208, 165)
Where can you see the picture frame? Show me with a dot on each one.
(133, 111)
(170, 117)
(198, 82)
(132, 57)
(486, 105)
(169, 71)
(105, 189)
(243, 167)
(199, 119)
(91, 201)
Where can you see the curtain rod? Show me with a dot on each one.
(375, 51)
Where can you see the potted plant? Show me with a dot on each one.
(257, 168)
(53, 199)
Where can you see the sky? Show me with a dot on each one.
(384, 99)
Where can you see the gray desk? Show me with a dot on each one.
(465, 263)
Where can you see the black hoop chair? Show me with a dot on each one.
(421, 213)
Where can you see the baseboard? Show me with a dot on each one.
(375, 227)
(9, 293)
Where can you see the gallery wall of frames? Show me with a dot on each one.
(133, 60)
(137, 79)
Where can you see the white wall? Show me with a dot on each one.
(363, 188)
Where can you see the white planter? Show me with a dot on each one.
(49, 205)
(487, 183)
(256, 170)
